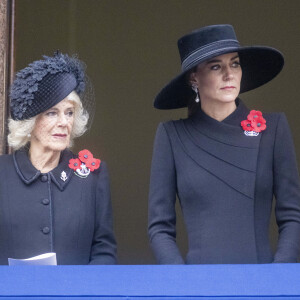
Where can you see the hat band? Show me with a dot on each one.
(208, 50)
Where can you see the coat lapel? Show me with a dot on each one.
(28, 173)
(62, 174)
(222, 148)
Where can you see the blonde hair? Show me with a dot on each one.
(81, 117)
(20, 130)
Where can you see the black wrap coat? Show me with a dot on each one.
(42, 213)
(225, 182)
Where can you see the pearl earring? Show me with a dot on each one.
(195, 89)
(29, 135)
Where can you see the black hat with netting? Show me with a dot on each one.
(46, 82)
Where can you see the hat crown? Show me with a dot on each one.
(44, 83)
(204, 37)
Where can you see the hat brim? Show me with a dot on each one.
(259, 65)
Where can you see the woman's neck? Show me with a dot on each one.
(44, 161)
(218, 111)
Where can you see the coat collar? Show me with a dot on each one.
(229, 130)
(233, 119)
(238, 115)
(28, 173)
(222, 148)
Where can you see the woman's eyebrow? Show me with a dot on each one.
(213, 61)
(237, 56)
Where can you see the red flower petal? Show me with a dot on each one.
(259, 120)
(85, 156)
(94, 164)
(256, 120)
(259, 124)
(74, 163)
(258, 127)
(254, 114)
(246, 125)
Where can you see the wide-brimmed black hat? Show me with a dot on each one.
(259, 64)
(44, 83)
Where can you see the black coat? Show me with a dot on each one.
(42, 213)
(225, 182)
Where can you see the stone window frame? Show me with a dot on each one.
(7, 12)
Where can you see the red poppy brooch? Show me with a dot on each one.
(254, 124)
(84, 164)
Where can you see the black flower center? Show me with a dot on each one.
(85, 156)
(93, 163)
(76, 164)
(258, 124)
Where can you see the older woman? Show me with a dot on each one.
(224, 162)
(50, 199)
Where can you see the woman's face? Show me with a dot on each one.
(53, 127)
(218, 80)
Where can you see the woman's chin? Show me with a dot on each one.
(228, 98)
(60, 147)
(57, 146)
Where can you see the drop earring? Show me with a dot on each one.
(195, 89)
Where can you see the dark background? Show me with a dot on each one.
(131, 53)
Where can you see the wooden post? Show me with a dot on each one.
(6, 64)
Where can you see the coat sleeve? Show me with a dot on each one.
(287, 193)
(162, 197)
(103, 250)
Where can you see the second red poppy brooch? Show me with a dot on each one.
(84, 164)
(254, 124)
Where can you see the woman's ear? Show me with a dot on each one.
(192, 80)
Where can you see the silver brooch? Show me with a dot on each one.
(63, 176)
(83, 172)
(251, 133)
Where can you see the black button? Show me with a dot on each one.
(44, 178)
(45, 201)
(46, 230)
